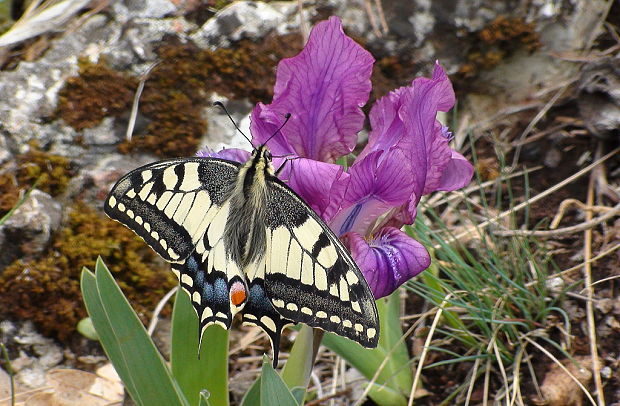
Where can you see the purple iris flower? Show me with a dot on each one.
(407, 155)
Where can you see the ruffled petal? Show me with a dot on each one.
(387, 128)
(320, 184)
(389, 260)
(376, 186)
(262, 128)
(231, 154)
(323, 88)
(457, 174)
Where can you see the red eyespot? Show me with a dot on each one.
(237, 293)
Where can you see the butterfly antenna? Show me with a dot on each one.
(287, 116)
(221, 105)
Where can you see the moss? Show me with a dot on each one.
(9, 193)
(53, 172)
(47, 291)
(497, 41)
(96, 92)
(176, 92)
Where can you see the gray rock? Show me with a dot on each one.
(242, 19)
(33, 87)
(33, 222)
(129, 9)
(222, 133)
(46, 355)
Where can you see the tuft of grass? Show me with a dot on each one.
(494, 298)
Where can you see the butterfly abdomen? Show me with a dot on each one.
(245, 235)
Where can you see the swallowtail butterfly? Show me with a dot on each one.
(241, 241)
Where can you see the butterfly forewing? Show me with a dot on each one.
(171, 203)
(310, 277)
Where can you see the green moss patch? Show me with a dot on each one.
(97, 92)
(46, 290)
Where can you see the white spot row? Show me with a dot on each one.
(370, 332)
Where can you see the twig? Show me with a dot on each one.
(567, 202)
(587, 269)
(427, 343)
(303, 24)
(371, 19)
(562, 367)
(10, 371)
(159, 308)
(136, 101)
(382, 18)
(528, 202)
(535, 121)
(587, 225)
(320, 400)
(445, 197)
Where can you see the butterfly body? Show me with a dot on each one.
(241, 241)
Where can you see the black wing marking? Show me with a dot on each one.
(171, 203)
(310, 276)
(259, 311)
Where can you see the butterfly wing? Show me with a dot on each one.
(310, 276)
(259, 311)
(180, 208)
(171, 203)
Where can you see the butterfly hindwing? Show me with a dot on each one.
(170, 203)
(259, 311)
(310, 277)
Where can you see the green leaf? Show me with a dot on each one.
(365, 360)
(252, 396)
(273, 390)
(385, 396)
(398, 364)
(86, 328)
(298, 367)
(194, 374)
(126, 342)
(105, 332)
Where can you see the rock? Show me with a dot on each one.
(32, 225)
(222, 133)
(131, 9)
(34, 86)
(30, 369)
(242, 19)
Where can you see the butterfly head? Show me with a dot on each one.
(262, 160)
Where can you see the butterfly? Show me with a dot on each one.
(241, 241)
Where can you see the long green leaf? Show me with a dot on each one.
(194, 374)
(252, 396)
(392, 343)
(127, 344)
(298, 367)
(106, 334)
(273, 390)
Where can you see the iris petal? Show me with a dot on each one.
(323, 88)
(231, 154)
(320, 184)
(389, 260)
(379, 182)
